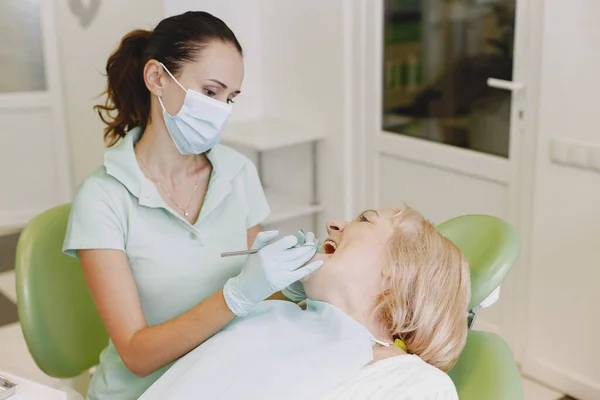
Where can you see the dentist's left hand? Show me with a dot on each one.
(295, 291)
(276, 266)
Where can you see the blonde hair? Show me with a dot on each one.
(428, 292)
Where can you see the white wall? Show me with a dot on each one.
(563, 330)
(303, 81)
(83, 55)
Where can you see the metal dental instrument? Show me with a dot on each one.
(239, 253)
(254, 251)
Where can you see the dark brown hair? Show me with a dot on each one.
(175, 41)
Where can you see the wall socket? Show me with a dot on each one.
(575, 154)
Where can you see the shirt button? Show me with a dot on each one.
(193, 236)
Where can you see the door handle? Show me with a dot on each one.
(505, 85)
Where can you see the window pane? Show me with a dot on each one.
(21, 47)
(438, 55)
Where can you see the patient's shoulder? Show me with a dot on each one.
(401, 377)
(412, 377)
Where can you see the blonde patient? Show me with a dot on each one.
(387, 275)
(394, 273)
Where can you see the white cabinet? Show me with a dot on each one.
(261, 137)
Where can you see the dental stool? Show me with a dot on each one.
(62, 328)
(486, 369)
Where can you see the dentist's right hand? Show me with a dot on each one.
(276, 266)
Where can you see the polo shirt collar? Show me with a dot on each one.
(121, 163)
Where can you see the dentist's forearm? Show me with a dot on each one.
(152, 348)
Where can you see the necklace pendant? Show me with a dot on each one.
(185, 213)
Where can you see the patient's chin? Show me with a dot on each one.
(318, 257)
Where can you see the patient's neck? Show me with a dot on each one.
(357, 303)
(361, 310)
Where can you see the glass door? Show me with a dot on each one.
(438, 58)
(447, 127)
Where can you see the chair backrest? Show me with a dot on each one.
(62, 328)
(491, 247)
(486, 370)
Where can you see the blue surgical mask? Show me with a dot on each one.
(197, 127)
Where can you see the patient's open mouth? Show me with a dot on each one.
(329, 246)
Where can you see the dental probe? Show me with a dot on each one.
(254, 251)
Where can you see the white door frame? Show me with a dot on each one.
(55, 89)
(363, 31)
(51, 99)
(528, 50)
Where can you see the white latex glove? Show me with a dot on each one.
(295, 292)
(274, 267)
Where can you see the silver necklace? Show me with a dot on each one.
(185, 210)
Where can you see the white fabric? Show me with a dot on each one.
(398, 378)
(278, 351)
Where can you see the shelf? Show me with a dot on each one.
(265, 135)
(285, 207)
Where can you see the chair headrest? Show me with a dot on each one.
(491, 247)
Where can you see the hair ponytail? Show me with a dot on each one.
(127, 99)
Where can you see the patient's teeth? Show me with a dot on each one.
(329, 247)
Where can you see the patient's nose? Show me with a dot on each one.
(334, 227)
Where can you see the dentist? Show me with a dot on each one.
(150, 224)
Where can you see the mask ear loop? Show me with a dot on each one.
(176, 81)
(172, 77)
(162, 105)
(380, 342)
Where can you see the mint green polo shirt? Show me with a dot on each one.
(175, 264)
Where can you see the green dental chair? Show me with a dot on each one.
(486, 369)
(62, 328)
(65, 334)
